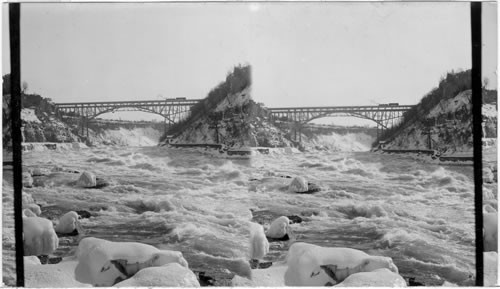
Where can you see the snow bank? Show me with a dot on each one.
(170, 275)
(378, 278)
(269, 277)
(60, 275)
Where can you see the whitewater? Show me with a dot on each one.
(201, 203)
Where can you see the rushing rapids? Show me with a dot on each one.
(197, 202)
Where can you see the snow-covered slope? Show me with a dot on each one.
(240, 123)
(450, 126)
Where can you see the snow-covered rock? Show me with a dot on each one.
(60, 275)
(169, 275)
(377, 278)
(39, 237)
(27, 180)
(104, 263)
(490, 268)
(279, 228)
(312, 265)
(488, 175)
(87, 180)
(33, 208)
(67, 223)
(298, 185)
(28, 213)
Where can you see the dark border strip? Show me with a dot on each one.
(15, 66)
(476, 79)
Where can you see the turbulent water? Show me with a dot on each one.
(418, 213)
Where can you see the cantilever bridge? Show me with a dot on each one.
(175, 109)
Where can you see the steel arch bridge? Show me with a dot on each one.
(384, 115)
(173, 110)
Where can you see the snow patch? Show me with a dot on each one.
(28, 115)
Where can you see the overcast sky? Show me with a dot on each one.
(302, 54)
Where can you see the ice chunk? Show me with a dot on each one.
(39, 236)
(259, 246)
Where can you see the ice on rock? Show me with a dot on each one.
(259, 246)
(169, 275)
(312, 265)
(67, 223)
(279, 228)
(299, 185)
(87, 180)
(104, 263)
(39, 236)
(60, 275)
(377, 278)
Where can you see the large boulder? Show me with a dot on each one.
(377, 278)
(39, 236)
(298, 185)
(87, 180)
(59, 275)
(105, 263)
(312, 265)
(169, 275)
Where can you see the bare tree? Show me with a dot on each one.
(24, 86)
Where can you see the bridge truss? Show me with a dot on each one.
(385, 116)
(172, 110)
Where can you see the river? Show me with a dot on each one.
(418, 212)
